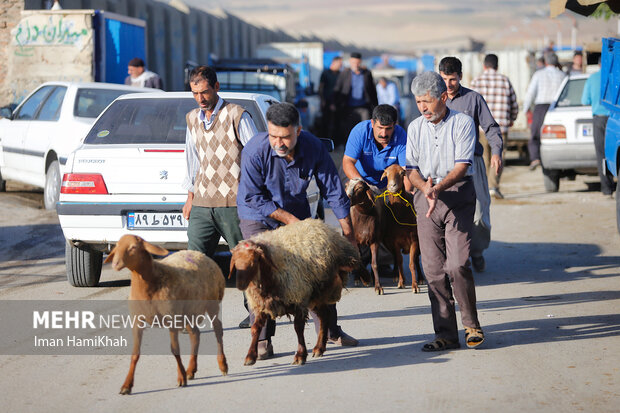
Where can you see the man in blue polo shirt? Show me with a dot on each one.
(375, 144)
(276, 169)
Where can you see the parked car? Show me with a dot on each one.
(126, 178)
(567, 142)
(37, 137)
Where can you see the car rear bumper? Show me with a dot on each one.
(568, 156)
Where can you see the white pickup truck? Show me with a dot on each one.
(126, 178)
(38, 136)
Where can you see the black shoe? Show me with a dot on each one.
(245, 323)
(478, 263)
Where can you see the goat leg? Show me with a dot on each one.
(414, 257)
(321, 342)
(398, 263)
(194, 338)
(300, 323)
(174, 348)
(374, 253)
(135, 356)
(219, 337)
(259, 322)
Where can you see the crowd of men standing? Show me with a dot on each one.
(450, 154)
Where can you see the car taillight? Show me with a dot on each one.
(553, 132)
(83, 184)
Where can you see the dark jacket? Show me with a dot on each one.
(342, 89)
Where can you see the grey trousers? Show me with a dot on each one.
(538, 117)
(444, 243)
(607, 179)
(481, 233)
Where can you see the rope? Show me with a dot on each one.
(407, 203)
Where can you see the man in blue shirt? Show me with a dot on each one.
(592, 96)
(276, 169)
(373, 145)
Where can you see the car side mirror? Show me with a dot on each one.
(329, 144)
(6, 112)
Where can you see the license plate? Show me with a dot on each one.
(156, 220)
(586, 130)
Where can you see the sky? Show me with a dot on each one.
(410, 25)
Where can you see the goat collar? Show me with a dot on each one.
(387, 193)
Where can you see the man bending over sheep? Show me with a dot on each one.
(276, 168)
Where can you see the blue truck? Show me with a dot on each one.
(610, 97)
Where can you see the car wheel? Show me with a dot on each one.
(51, 192)
(551, 179)
(83, 265)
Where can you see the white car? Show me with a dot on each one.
(126, 178)
(38, 136)
(567, 140)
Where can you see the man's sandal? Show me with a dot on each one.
(440, 344)
(473, 337)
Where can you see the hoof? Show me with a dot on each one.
(125, 391)
(190, 376)
(401, 286)
(182, 383)
(249, 362)
(317, 353)
(299, 361)
(379, 290)
(223, 365)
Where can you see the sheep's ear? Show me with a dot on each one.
(383, 176)
(370, 195)
(110, 256)
(154, 249)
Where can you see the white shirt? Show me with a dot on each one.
(543, 86)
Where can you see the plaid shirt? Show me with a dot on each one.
(543, 86)
(499, 95)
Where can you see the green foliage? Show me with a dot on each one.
(603, 11)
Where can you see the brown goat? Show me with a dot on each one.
(185, 283)
(287, 271)
(399, 232)
(366, 219)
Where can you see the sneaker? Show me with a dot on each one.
(245, 323)
(478, 263)
(265, 350)
(344, 340)
(495, 193)
(534, 164)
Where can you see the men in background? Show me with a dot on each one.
(576, 68)
(540, 92)
(356, 95)
(329, 109)
(472, 104)
(440, 152)
(216, 133)
(387, 93)
(592, 96)
(373, 145)
(140, 77)
(497, 91)
(276, 169)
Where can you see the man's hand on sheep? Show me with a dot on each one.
(347, 230)
(283, 216)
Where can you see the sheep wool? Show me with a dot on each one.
(308, 257)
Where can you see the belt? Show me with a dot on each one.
(466, 178)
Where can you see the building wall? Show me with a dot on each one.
(10, 14)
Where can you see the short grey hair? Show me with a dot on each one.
(551, 59)
(428, 82)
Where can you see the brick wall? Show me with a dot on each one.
(10, 14)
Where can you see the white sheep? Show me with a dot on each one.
(186, 283)
(287, 271)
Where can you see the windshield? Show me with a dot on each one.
(571, 94)
(153, 121)
(89, 103)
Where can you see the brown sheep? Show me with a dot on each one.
(289, 270)
(366, 219)
(399, 232)
(185, 283)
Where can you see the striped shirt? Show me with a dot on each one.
(247, 129)
(434, 149)
(499, 95)
(544, 85)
